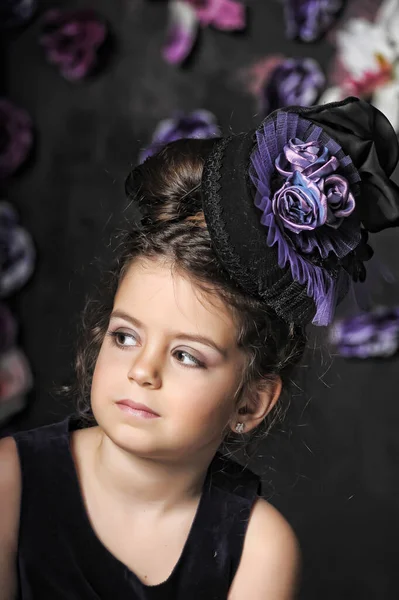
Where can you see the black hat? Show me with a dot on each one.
(289, 205)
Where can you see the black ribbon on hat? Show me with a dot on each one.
(366, 135)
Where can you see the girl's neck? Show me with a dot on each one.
(159, 485)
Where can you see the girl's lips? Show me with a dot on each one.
(137, 409)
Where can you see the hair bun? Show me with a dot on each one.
(166, 186)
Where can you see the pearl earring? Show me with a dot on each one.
(240, 427)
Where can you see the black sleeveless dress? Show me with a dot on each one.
(61, 558)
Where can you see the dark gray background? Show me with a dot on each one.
(332, 468)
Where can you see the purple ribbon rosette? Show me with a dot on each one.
(305, 188)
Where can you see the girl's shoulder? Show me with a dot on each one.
(270, 560)
(10, 472)
(10, 494)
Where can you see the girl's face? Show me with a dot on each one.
(172, 351)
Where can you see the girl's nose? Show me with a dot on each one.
(145, 371)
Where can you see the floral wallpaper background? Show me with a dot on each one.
(92, 89)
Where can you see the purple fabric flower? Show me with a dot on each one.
(304, 210)
(16, 12)
(17, 254)
(8, 328)
(300, 204)
(72, 40)
(293, 82)
(311, 158)
(340, 200)
(16, 137)
(324, 186)
(367, 335)
(199, 124)
(308, 20)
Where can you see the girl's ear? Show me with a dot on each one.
(256, 405)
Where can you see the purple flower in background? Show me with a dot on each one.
(16, 137)
(186, 16)
(227, 15)
(16, 252)
(182, 32)
(16, 12)
(308, 20)
(368, 335)
(72, 40)
(8, 328)
(293, 82)
(199, 124)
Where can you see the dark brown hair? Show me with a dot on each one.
(168, 188)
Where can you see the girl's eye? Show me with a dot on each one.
(123, 339)
(188, 360)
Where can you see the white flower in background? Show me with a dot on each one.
(368, 54)
(365, 49)
(388, 18)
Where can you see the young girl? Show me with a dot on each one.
(243, 241)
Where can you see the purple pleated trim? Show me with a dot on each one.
(270, 143)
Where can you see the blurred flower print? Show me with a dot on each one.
(16, 137)
(15, 382)
(226, 15)
(367, 61)
(309, 20)
(368, 335)
(17, 255)
(197, 124)
(277, 82)
(8, 328)
(182, 32)
(72, 41)
(187, 16)
(14, 13)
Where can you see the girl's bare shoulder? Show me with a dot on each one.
(270, 560)
(10, 499)
(10, 471)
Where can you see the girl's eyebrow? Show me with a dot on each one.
(120, 314)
